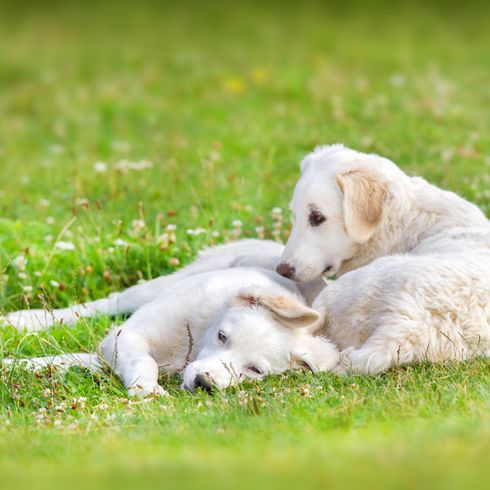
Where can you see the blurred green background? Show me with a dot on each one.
(118, 119)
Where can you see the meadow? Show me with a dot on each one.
(134, 135)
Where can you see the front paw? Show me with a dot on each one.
(345, 362)
(139, 391)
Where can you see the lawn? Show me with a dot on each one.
(119, 121)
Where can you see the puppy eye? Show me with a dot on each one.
(316, 217)
(256, 370)
(222, 337)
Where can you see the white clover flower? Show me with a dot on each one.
(82, 201)
(138, 225)
(55, 284)
(171, 227)
(237, 223)
(121, 243)
(397, 80)
(20, 261)
(27, 289)
(126, 165)
(163, 239)
(100, 167)
(64, 245)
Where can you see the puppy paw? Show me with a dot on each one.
(139, 391)
(345, 362)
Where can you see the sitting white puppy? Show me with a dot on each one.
(413, 261)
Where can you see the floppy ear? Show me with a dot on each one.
(315, 354)
(364, 194)
(288, 311)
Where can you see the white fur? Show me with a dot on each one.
(176, 328)
(414, 284)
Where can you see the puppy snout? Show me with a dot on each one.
(285, 269)
(204, 382)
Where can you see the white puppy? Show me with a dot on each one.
(420, 260)
(221, 325)
(218, 328)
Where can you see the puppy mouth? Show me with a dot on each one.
(329, 270)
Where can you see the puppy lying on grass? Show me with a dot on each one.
(216, 327)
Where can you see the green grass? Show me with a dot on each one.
(223, 101)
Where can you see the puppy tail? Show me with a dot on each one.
(62, 362)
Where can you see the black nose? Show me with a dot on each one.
(204, 382)
(285, 269)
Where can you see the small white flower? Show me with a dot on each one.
(20, 261)
(171, 227)
(64, 245)
(55, 284)
(237, 223)
(82, 201)
(27, 289)
(138, 224)
(215, 234)
(50, 220)
(397, 80)
(100, 167)
(163, 239)
(121, 243)
(126, 165)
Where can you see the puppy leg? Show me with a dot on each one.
(133, 298)
(387, 347)
(128, 353)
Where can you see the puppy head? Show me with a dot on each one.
(337, 205)
(259, 335)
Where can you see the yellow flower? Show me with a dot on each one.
(234, 85)
(259, 75)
